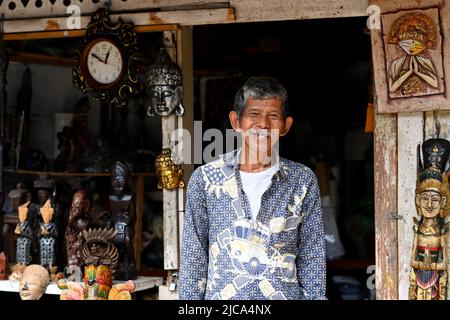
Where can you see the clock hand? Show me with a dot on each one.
(114, 65)
(107, 55)
(97, 57)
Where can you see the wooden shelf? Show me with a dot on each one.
(153, 272)
(73, 174)
(142, 283)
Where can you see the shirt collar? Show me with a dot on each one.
(232, 159)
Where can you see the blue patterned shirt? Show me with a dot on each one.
(226, 255)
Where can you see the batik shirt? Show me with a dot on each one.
(225, 255)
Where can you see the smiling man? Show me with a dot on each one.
(253, 222)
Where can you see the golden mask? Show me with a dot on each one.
(170, 175)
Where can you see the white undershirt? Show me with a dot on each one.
(255, 184)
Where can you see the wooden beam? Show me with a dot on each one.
(170, 197)
(43, 35)
(206, 12)
(42, 59)
(185, 61)
(87, 7)
(386, 254)
(156, 19)
(410, 134)
(77, 33)
(269, 10)
(72, 174)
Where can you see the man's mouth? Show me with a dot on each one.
(260, 133)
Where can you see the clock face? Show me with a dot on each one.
(104, 62)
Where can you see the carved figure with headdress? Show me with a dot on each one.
(429, 260)
(123, 215)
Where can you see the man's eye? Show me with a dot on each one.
(274, 116)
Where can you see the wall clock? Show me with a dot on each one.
(108, 61)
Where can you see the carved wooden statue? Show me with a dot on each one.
(47, 235)
(24, 231)
(100, 257)
(98, 214)
(123, 219)
(78, 222)
(47, 211)
(17, 197)
(428, 277)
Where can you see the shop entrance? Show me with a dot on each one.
(325, 66)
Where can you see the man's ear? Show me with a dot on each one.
(234, 120)
(287, 125)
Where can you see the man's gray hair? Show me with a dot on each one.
(260, 88)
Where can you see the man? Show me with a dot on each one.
(253, 223)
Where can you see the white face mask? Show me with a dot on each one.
(412, 47)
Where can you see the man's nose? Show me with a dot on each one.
(263, 122)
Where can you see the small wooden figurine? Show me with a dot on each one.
(47, 212)
(24, 230)
(17, 197)
(47, 235)
(100, 257)
(123, 219)
(77, 223)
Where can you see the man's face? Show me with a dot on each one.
(261, 124)
(430, 203)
